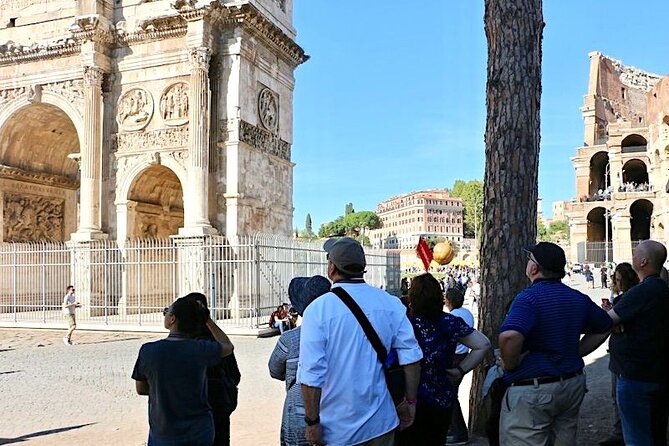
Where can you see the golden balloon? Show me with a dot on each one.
(443, 253)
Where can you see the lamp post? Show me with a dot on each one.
(607, 172)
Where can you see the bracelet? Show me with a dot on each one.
(311, 422)
(461, 370)
(410, 401)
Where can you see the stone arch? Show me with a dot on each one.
(596, 231)
(600, 178)
(633, 143)
(155, 204)
(635, 171)
(35, 141)
(641, 213)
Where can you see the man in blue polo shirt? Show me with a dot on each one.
(539, 343)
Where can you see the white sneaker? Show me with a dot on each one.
(66, 341)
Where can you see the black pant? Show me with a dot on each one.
(222, 430)
(428, 429)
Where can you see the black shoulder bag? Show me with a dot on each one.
(392, 370)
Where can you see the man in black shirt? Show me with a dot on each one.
(640, 349)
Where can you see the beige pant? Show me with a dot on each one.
(384, 440)
(544, 414)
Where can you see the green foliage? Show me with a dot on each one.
(308, 225)
(558, 231)
(542, 231)
(471, 193)
(353, 225)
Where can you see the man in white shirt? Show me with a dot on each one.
(345, 394)
(69, 305)
(458, 433)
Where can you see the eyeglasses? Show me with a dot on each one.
(166, 310)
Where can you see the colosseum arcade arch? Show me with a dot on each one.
(599, 177)
(38, 181)
(155, 204)
(635, 171)
(633, 144)
(596, 229)
(641, 212)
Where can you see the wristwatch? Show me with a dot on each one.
(311, 422)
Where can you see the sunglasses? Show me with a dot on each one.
(166, 310)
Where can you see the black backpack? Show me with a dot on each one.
(223, 380)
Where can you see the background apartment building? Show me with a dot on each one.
(429, 213)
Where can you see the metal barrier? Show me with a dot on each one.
(126, 285)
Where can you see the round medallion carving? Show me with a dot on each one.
(174, 104)
(135, 109)
(268, 109)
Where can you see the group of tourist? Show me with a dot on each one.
(337, 365)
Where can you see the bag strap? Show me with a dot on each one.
(363, 321)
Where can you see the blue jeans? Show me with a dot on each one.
(643, 407)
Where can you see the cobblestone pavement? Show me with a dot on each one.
(56, 395)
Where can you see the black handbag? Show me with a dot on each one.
(392, 370)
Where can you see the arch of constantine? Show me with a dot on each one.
(622, 169)
(131, 119)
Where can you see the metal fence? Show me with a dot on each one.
(127, 284)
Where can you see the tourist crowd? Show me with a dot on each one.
(365, 368)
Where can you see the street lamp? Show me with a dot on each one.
(607, 172)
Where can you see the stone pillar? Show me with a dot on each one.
(196, 221)
(91, 153)
(578, 236)
(192, 268)
(622, 239)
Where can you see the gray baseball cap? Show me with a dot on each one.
(346, 254)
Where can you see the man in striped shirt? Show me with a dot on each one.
(539, 343)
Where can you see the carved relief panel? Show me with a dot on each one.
(174, 104)
(268, 109)
(29, 218)
(134, 109)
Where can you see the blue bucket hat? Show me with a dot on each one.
(304, 290)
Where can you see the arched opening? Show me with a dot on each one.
(38, 182)
(635, 175)
(155, 204)
(633, 144)
(600, 177)
(641, 212)
(596, 229)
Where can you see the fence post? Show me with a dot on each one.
(256, 312)
(14, 281)
(43, 282)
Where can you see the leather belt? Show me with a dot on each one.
(545, 379)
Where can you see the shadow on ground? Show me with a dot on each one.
(26, 437)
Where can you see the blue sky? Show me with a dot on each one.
(393, 98)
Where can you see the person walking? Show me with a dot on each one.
(173, 373)
(346, 398)
(539, 343)
(70, 305)
(283, 361)
(438, 334)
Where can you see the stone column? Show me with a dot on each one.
(196, 222)
(578, 237)
(622, 239)
(91, 153)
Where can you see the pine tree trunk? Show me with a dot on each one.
(514, 31)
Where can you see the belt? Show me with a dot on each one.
(545, 379)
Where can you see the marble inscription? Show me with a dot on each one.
(135, 109)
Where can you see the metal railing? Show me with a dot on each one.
(127, 284)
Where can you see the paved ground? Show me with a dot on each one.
(56, 395)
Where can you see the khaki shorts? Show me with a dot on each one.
(71, 320)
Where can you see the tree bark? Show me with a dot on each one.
(514, 30)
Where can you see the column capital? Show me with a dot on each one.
(93, 76)
(199, 57)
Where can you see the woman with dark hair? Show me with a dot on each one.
(624, 277)
(173, 373)
(222, 381)
(438, 334)
(283, 362)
